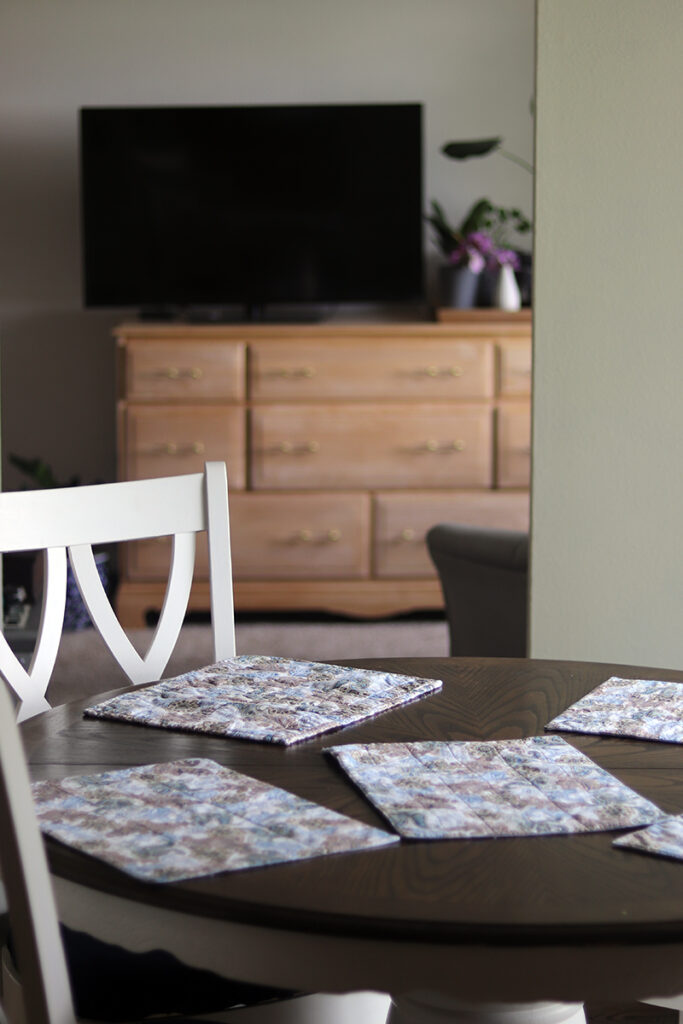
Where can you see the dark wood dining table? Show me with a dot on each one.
(549, 920)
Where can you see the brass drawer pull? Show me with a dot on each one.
(176, 372)
(306, 536)
(287, 448)
(407, 535)
(443, 447)
(443, 371)
(172, 448)
(289, 372)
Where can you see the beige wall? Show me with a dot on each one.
(469, 61)
(607, 541)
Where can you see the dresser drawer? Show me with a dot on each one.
(514, 446)
(300, 536)
(279, 537)
(514, 370)
(174, 439)
(402, 519)
(151, 559)
(185, 370)
(371, 368)
(371, 446)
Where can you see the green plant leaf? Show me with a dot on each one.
(445, 235)
(478, 217)
(476, 147)
(39, 472)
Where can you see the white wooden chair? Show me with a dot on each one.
(71, 520)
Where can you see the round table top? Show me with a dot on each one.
(531, 891)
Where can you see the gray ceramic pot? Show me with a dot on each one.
(458, 287)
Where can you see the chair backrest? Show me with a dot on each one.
(33, 914)
(71, 520)
(484, 578)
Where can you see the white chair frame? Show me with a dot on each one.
(45, 990)
(71, 520)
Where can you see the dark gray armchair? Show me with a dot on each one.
(484, 577)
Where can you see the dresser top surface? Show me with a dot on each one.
(469, 323)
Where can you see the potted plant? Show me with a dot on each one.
(484, 216)
(40, 475)
(476, 251)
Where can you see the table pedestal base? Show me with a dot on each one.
(434, 1008)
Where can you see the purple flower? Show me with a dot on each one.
(476, 262)
(473, 251)
(501, 257)
(484, 243)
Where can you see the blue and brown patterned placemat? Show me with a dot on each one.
(664, 838)
(189, 818)
(643, 709)
(274, 700)
(465, 790)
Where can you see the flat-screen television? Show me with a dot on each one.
(190, 207)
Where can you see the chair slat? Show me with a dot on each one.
(102, 614)
(31, 685)
(220, 561)
(174, 606)
(51, 619)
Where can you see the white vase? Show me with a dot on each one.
(507, 290)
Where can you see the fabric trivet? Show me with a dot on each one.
(274, 700)
(189, 818)
(664, 839)
(464, 790)
(640, 708)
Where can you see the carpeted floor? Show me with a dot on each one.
(85, 666)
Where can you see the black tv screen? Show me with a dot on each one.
(212, 206)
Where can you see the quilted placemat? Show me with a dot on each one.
(640, 708)
(189, 818)
(465, 790)
(274, 700)
(664, 839)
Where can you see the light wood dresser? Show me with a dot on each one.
(344, 444)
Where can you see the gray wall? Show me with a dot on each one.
(607, 507)
(469, 61)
